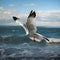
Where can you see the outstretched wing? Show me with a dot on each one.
(17, 20)
(30, 22)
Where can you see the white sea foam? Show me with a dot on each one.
(54, 40)
(5, 36)
(13, 30)
(26, 52)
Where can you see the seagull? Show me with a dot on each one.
(30, 28)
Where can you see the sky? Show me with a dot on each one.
(47, 11)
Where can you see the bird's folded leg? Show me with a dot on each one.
(34, 39)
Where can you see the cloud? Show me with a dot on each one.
(52, 14)
(1, 8)
(51, 24)
(5, 15)
(11, 5)
(48, 18)
(43, 18)
(31, 4)
(7, 12)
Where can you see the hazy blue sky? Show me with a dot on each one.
(48, 11)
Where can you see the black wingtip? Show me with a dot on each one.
(15, 18)
(32, 14)
(47, 39)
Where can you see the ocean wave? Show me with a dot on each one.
(54, 40)
(6, 36)
(32, 51)
(22, 38)
(29, 50)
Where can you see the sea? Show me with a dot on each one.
(14, 45)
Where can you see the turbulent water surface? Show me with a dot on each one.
(15, 46)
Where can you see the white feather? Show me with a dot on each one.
(21, 24)
(30, 28)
